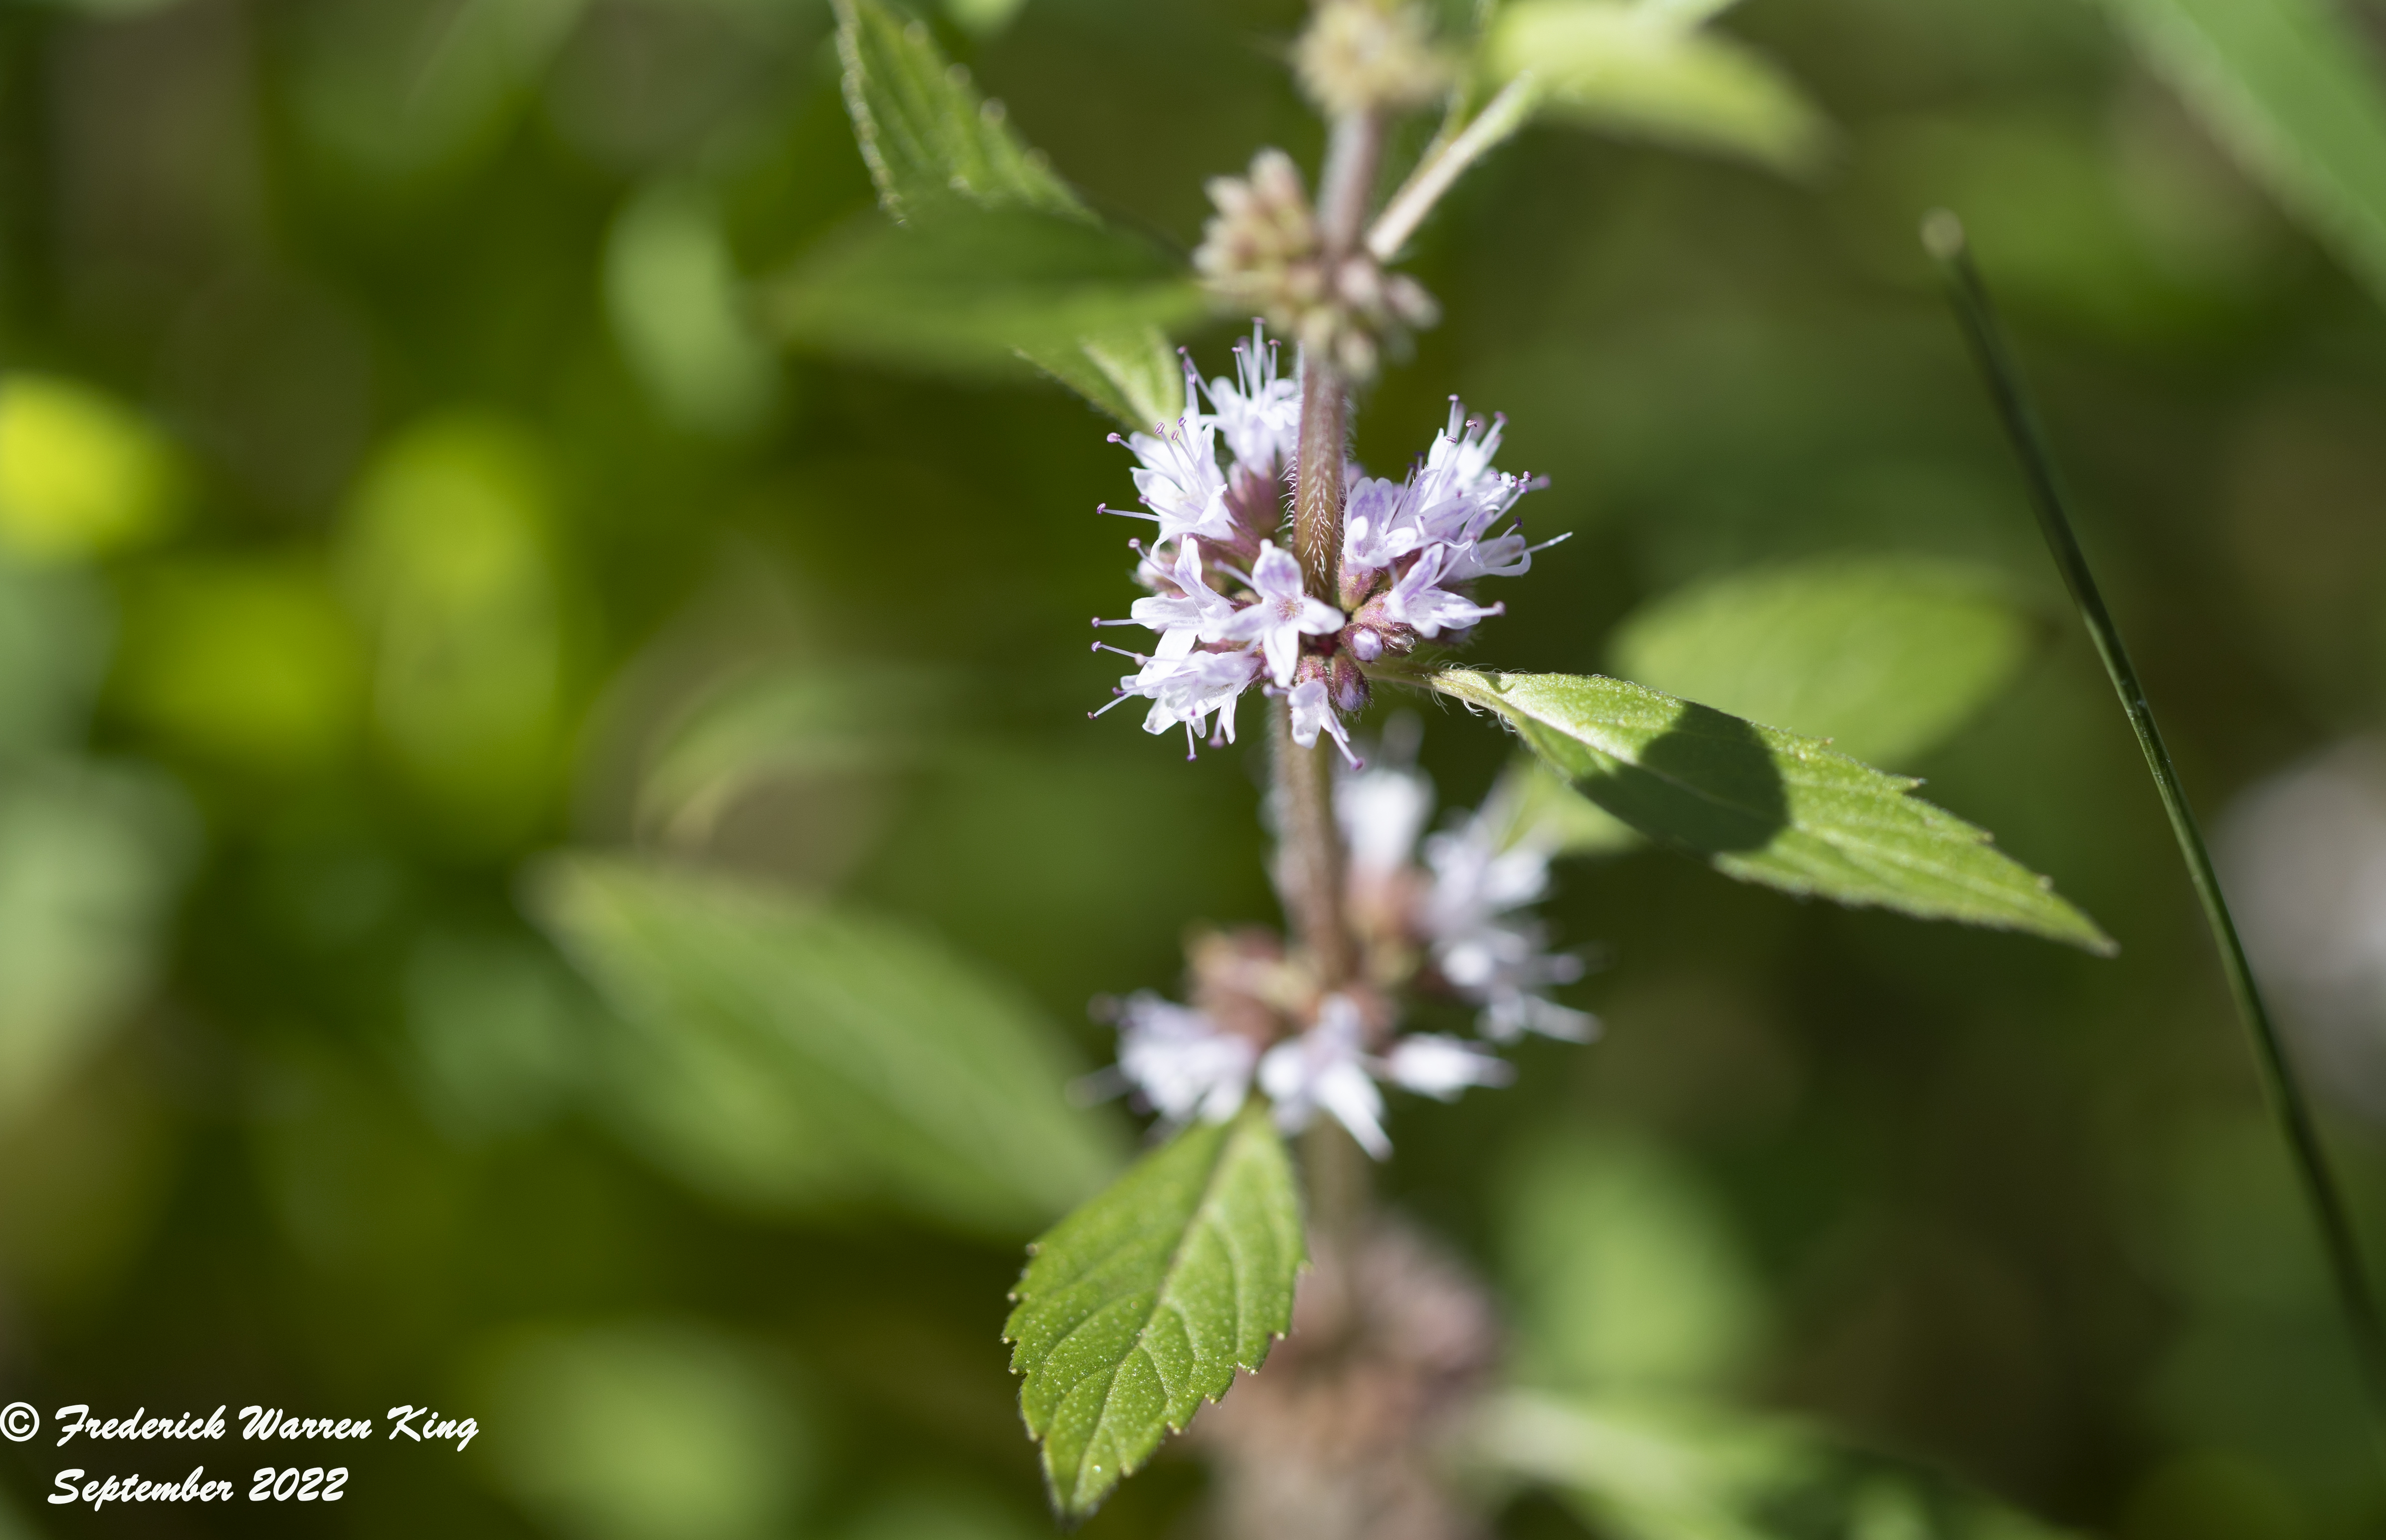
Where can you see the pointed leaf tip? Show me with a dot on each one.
(1140, 1305)
(1769, 806)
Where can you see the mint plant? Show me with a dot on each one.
(1282, 576)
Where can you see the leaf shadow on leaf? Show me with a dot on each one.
(1708, 784)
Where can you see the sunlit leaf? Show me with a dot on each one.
(924, 130)
(1644, 72)
(90, 857)
(81, 474)
(787, 1055)
(1685, 1470)
(248, 662)
(643, 1430)
(672, 295)
(2292, 87)
(973, 291)
(1883, 655)
(1766, 806)
(1142, 1304)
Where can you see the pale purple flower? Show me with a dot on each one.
(1482, 948)
(1195, 612)
(1179, 480)
(1180, 1061)
(1282, 613)
(1184, 692)
(1259, 414)
(1378, 525)
(1441, 1067)
(1416, 600)
(1325, 1069)
(1314, 713)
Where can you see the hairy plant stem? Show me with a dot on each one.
(1942, 236)
(1312, 874)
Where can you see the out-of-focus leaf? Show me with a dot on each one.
(249, 662)
(1532, 801)
(81, 474)
(2292, 88)
(1643, 1472)
(1626, 1278)
(1769, 806)
(643, 1429)
(1646, 71)
(1882, 656)
(90, 857)
(672, 295)
(973, 290)
(785, 1055)
(1133, 375)
(496, 1032)
(448, 555)
(778, 724)
(55, 629)
(1142, 1304)
(404, 89)
(924, 130)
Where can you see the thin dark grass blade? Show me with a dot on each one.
(1942, 236)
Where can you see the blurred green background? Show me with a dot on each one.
(404, 516)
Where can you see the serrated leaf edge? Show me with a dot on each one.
(1257, 1109)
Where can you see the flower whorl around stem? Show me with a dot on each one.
(1226, 598)
(1264, 251)
(1449, 926)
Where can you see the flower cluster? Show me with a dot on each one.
(1449, 926)
(1263, 250)
(1371, 55)
(1226, 600)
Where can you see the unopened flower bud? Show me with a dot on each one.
(1366, 644)
(1370, 55)
(1263, 252)
(1346, 684)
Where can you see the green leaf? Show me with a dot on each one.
(81, 473)
(1884, 655)
(1642, 72)
(1766, 806)
(927, 135)
(2291, 87)
(90, 859)
(1530, 800)
(972, 290)
(1142, 1304)
(1087, 306)
(1133, 374)
(787, 1056)
(1688, 1470)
